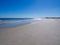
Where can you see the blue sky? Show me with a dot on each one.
(29, 8)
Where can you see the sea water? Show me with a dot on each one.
(12, 22)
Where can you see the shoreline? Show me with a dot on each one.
(17, 23)
(20, 25)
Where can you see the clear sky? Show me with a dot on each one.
(29, 8)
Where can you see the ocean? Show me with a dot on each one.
(12, 22)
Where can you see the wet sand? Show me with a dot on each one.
(45, 32)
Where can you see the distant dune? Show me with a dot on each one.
(52, 17)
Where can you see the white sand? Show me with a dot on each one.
(46, 32)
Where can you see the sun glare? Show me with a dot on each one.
(37, 19)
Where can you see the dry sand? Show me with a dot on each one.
(45, 32)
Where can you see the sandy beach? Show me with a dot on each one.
(44, 32)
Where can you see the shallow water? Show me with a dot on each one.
(16, 23)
